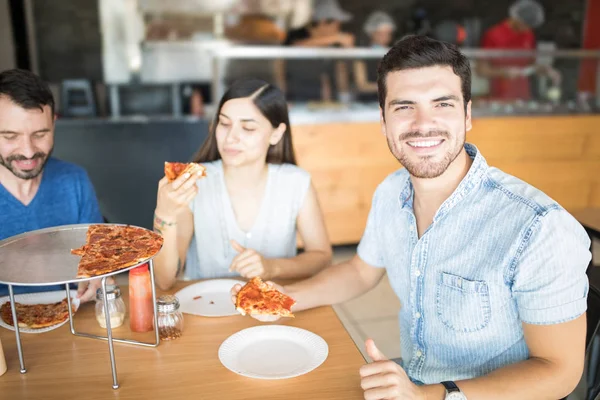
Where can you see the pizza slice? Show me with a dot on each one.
(174, 169)
(36, 316)
(94, 234)
(260, 298)
(109, 248)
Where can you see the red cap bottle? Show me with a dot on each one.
(141, 308)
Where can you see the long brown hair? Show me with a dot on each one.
(271, 103)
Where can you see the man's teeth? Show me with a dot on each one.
(428, 143)
(27, 162)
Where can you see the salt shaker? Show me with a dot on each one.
(116, 306)
(170, 319)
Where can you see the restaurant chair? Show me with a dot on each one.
(592, 338)
(77, 98)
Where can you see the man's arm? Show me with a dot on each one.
(554, 367)
(486, 69)
(335, 284)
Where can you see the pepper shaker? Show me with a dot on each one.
(170, 319)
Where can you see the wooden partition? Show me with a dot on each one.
(559, 155)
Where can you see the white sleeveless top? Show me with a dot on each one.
(274, 231)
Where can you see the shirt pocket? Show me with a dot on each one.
(462, 305)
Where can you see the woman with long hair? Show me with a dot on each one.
(242, 218)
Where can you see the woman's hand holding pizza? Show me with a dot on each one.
(262, 318)
(175, 195)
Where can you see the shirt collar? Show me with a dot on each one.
(470, 181)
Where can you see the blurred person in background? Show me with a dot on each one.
(379, 28)
(256, 28)
(509, 75)
(38, 191)
(319, 79)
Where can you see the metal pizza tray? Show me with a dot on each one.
(43, 257)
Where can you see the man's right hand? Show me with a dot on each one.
(176, 195)
(262, 318)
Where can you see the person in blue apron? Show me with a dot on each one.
(37, 190)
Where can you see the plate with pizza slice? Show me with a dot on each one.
(273, 352)
(38, 312)
(210, 298)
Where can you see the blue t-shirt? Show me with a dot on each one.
(65, 196)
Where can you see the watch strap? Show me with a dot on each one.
(451, 387)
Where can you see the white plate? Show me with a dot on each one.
(39, 298)
(273, 352)
(215, 300)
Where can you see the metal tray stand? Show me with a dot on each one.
(43, 257)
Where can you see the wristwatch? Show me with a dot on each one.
(453, 392)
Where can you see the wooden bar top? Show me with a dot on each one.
(60, 365)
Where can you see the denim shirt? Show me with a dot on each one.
(499, 253)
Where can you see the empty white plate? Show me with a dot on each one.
(273, 352)
(40, 298)
(210, 298)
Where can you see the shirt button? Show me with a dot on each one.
(412, 228)
(418, 273)
(249, 235)
(418, 353)
(417, 315)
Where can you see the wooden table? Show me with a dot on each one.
(60, 365)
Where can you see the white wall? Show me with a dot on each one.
(7, 50)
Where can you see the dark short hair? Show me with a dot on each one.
(417, 51)
(26, 89)
(271, 103)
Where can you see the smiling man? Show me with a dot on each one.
(36, 190)
(490, 271)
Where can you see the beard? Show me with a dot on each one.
(425, 167)
(27, 174)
